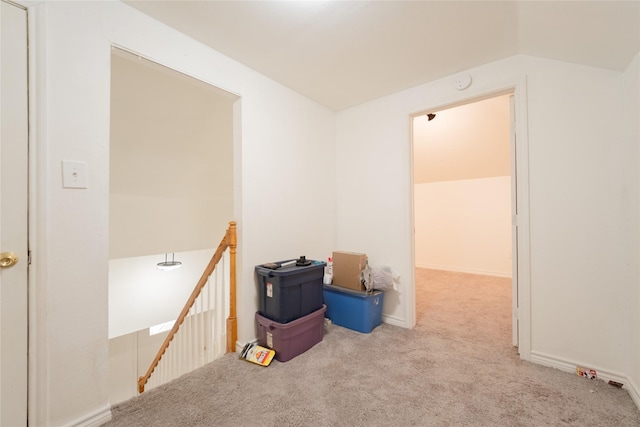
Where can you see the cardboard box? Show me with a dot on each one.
(347, 269)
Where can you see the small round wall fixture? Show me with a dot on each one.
(167, 265)
(462, 82)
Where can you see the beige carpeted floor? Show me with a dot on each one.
(457, 367)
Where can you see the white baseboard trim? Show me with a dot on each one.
(603, 375)
(94, 419)
(634, 391)
(395, 321)
(465, 270)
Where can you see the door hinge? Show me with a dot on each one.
(28, 257)
(514, 220)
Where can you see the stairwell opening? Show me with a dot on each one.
(171, 191)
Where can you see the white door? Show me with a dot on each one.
(13, 216)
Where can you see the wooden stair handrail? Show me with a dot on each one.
(228, 241)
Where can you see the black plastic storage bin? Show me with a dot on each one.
(288, 293)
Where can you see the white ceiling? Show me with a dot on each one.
(343, 53)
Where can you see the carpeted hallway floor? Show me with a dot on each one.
(457, 367)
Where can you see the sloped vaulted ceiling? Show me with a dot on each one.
(343, 53)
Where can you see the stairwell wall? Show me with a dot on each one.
(631, 118)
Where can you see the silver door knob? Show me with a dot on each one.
(8, 259)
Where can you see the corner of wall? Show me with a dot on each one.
(94, 419)
(634, 392)
(603, 375)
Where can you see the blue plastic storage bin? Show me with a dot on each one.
(357, 310)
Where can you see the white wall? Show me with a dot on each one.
(283, 157)
(130, 356)
(463, 142)
(583, 202)
(584, 212)
(462, 192)
(171, 160)
(631, 99)
(141, 295)
(464, 225)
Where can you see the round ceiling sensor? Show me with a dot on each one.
(462, 82)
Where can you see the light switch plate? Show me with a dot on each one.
(74, 174)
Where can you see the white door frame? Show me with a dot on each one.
(521, 294)
(514, 220)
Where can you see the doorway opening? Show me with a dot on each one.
(464, 200)
(171, 196)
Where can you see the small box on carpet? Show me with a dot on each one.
(288, 293)
(347, 269)
(254, 353)
(291, 339)
(357, 310)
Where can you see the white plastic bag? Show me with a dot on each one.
(380, 279)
